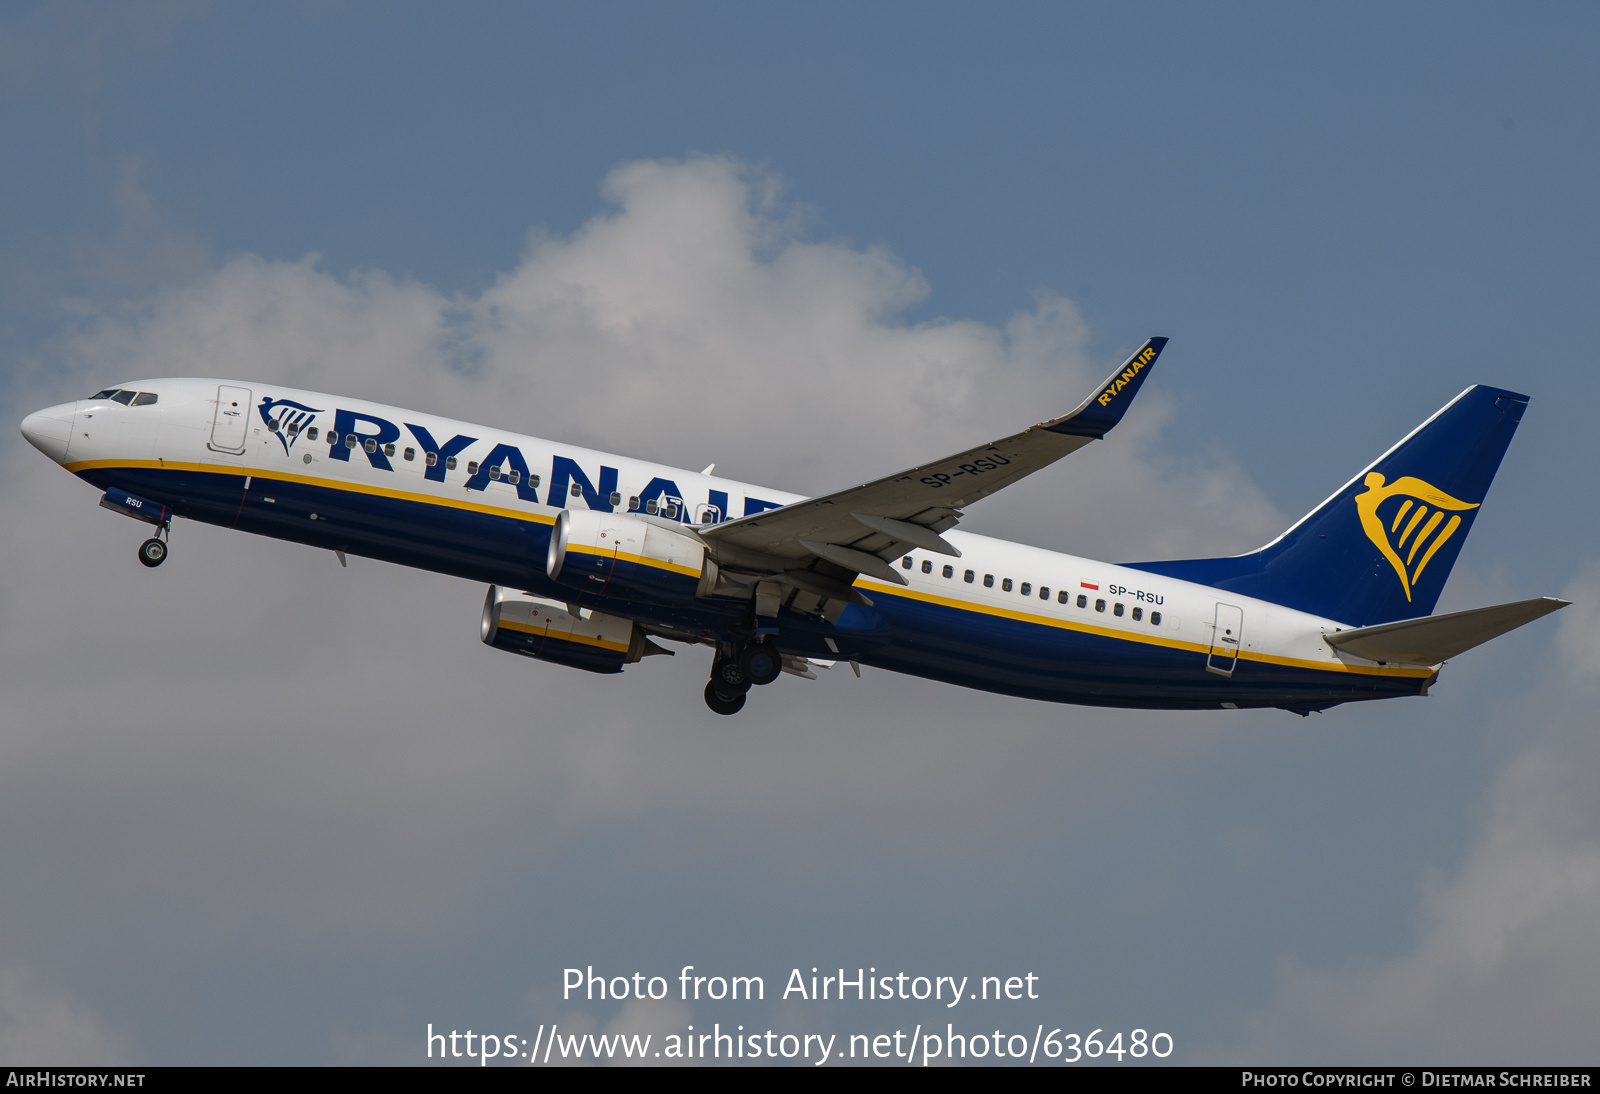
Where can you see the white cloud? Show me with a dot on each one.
(40, 1027)
(689, 323)
(693, 323)
(1506, 969)
(322, 755)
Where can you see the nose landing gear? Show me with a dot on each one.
(153, 551)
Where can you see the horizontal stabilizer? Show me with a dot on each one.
(1436, 638)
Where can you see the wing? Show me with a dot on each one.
(821, 544)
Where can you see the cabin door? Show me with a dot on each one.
(1227, 631)
(232, 421)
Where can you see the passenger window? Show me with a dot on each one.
(988, 581)
(949, 571)
(633, 500)
(411, 454)
(1099, 605)
(351, 440)
(272, 425)
(123, 397)
(616, 498)
(1063, 596)
(431, 459)
(1155, 619)
(472, 467)
(333, 438)
(294, 428)
(312, 433)
(371, 445)
(388, 450)
(1027, 588)
(672, 508)
(905, 563)
(145, 398)
(1116, 609)
(1005, 584)
(449, 462)
(1138, 614)
(1083, 601)
(576, 490)
(533, 480)
(927, 566)
(968, 577)
(515, 477)
(1044, 592)
(494, 472)
(651, 507)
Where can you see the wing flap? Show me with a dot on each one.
(1435, 638)
(918, 535)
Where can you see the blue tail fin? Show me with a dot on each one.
(1381, 548)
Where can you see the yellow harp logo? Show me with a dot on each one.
(1415, 519)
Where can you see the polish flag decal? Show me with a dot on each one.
(1086, 585)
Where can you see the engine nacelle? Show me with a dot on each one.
(629, 555)
(534, 627)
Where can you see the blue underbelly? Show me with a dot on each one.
(903, 634)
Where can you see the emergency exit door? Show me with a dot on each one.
(1227, 631)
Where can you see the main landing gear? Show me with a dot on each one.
(153, 551)
(720, 703)
(757, 662)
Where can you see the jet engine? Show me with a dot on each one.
(539, 628)
(629, 555)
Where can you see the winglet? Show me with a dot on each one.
(1105, 407)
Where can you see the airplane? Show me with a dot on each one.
(591, 560)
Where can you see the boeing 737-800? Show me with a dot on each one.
(591, 558)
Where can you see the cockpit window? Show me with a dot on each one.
(125, 397)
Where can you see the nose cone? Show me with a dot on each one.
(49, 430)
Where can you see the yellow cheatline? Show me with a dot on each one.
(878, 589)
(624, 556)
(580, 639)
(307, 480)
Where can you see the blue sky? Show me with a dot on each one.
(1341, 216)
